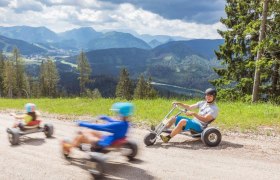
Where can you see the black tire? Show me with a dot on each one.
(132, 146)
(13, 135)
(48, 130)
(150, 139)
(98, 167)
(211, 137)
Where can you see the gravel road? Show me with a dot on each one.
(237, 157)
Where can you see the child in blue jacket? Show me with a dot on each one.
(116, 128)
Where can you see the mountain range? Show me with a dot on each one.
(85, 38)
(178, 62)
(170, 60)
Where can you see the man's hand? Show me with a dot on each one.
(190, 113)
(174, 103)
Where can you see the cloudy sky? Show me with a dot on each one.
(187, 18)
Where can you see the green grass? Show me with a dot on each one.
(233, 115)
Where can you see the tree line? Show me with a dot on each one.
(16, 83)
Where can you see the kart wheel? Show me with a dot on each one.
(211, 136)
(95, 166)
(130, 150)
(13, 135)
(48, 130)
(150, 139)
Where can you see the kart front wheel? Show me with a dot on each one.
(96, 166)
(150, 139)
(48, 130)
(13, 135)
(211, 137)
(130, 150)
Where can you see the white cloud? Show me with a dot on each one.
(20, 6)
(61, 15)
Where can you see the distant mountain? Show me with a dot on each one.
(29, 34)
(154, 43)
(110, 61)
(202, 47)
(205, 47)
(177, 63)
(117, 40)
(80, 36)
(160, 38)
(7, 45)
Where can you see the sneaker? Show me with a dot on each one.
(66, 146)
(165, 139)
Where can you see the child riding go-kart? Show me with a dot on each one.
(208, 112)
(28, 124)
(101, 144)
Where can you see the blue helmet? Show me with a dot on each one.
(30, 107)
(123, 108)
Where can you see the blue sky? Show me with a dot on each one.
(187, 18)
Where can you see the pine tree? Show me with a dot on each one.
(84, 71)
(49, 78)
(144, 89)
(124, 87)
(21, 85)
(9, 80)
(1, 74)
(151, 92)
(237, 53)
(140, 91)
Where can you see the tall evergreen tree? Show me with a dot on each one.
(84, 71)
(49, 78)
(124, 88)
(9, 80)
(20, 74)
(144, 89)
(1, 74)
(151, 92)
(237, 53)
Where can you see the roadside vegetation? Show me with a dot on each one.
(234, 116)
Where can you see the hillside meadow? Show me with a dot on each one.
(234, 116)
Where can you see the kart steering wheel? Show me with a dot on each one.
(181, 109)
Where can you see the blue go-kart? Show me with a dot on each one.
(210, 136)
(97, 156)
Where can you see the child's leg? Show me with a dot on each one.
(84, 137)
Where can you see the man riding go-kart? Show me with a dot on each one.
(208, 112)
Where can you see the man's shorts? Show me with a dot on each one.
(191, 124)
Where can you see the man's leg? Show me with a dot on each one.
(171, 122)
(179, 127)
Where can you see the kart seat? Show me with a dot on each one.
(119, 142)
(30, 125)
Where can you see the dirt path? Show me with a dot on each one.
(182, 158)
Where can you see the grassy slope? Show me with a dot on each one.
(237, 115)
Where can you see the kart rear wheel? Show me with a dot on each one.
(130, 150)
(48, 130)
(211, 137)
(96, 166)
(150, 139)
(13, 135)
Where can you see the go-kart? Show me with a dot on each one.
(210, 136)
(97, 156)
(33, 127)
